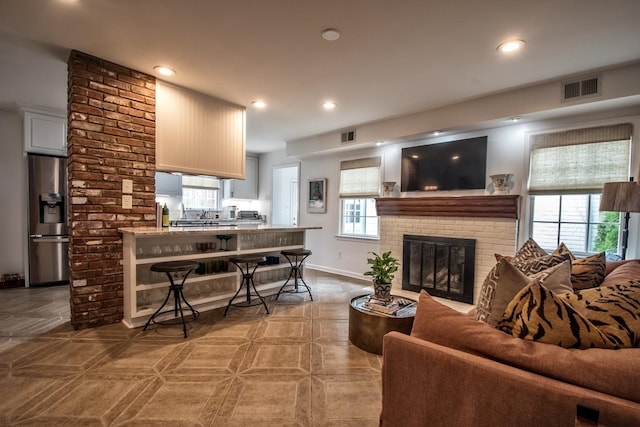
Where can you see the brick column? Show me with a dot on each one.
(111, 137)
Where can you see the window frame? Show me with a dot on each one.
(352, 187)
(590, 133)
(343, 219)
(588, 223)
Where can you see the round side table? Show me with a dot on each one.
(366, 327)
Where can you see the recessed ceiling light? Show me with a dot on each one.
(329, 105)
(258, 103)
(330, 34)
(379, 143)
(510, 46)
(514, 119)
(165, 71)
(436, 132)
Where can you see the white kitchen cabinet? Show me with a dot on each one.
(246, 188)
(45, 131)
(168, 184)
(197, 134)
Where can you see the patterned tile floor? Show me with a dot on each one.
(294, 367)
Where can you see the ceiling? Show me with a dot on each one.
(394, 57)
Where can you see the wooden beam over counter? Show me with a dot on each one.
(457, 206)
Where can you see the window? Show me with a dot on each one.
(359, 184)
(574, 219)
(200, 192)
(566, 173)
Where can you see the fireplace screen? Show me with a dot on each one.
(444, 267)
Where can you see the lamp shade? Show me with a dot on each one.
(620, 197)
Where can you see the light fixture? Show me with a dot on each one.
(510, 46)
(331, 34)
(165, 71)
(514, 119)
(436, 133)
(329, 105)
(258, 103)
(621, 197)
(379, 143)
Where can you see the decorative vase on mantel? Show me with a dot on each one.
(501, 183)
(389, 188)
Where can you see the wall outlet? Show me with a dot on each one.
(339, 254)
(127, 202)
(127, 186)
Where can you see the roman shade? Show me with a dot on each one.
(360, 177)
(579, 161)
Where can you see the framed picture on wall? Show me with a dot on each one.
(317, 202)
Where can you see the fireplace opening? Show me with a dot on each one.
(443, 266)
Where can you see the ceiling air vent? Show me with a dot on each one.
(580, 88)
(348, 136)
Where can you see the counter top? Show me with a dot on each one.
(163, 231)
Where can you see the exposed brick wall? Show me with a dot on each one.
(111, 138)
(492, 236)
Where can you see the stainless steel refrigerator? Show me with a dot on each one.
(48, 230)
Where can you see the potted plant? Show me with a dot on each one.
(383, 268)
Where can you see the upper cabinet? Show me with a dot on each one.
(45, 131)
(198, 134)
(246, 188)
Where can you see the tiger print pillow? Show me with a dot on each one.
(587, 272)
(599, 317)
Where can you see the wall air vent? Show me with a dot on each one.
(348, 136)
(581, 88)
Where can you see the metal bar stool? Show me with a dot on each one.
(247, 265)
(174, 267)
(296, 259)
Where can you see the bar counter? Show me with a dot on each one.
(216, 279)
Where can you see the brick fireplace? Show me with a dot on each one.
(492, 221)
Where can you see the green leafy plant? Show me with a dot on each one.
(383, 267)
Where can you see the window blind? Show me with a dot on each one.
(204, 182)
(360, 177)
(579, 161)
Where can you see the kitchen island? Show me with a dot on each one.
(215, 280)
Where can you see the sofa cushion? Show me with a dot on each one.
(598, 317)
(623, 271)
(615, 372)
(504, 281)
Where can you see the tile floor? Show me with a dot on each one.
(294, 367)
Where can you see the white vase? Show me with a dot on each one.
(501, 183)
(388, 188)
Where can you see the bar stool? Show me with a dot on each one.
(175, 267)
(247, 265)
(296, 259)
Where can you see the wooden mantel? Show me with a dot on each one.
(457, 206)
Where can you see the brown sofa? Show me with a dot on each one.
(456, 371)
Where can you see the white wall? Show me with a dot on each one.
(13, 195)
(507, 152)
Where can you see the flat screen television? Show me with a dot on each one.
(455, 165)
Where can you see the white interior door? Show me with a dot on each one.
(285, 195)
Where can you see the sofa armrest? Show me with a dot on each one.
(427, 384)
